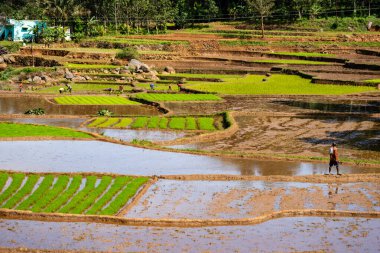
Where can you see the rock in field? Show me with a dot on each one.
(169, 70)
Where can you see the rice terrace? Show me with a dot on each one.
(190, 126)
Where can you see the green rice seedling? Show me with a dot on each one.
(206, 123)
(63, 198)
(97, 122)
(121, 200)
(140, 122)
(109, 122)
(90, 185)
(37, 194)
(51, 194)
(16, 182)
(177, 97)
(153, 122)
(191, 123)
(124, 122)
(177, 123)
(85, 203)
(3, 180)
(24, 191)
(118, 184)
(22, 130)
(94, 100)
(163, 123)
(304, 54)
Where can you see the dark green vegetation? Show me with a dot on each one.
(177, 97)
(93, 100)
(28, 130)
(61, 193)
(175, 123)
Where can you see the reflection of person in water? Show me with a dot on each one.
(334, 158)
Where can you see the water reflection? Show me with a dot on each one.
(95, 156)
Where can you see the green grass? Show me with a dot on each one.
(118, 184)
(206, 124)
(124, 122)
(109, 122)
(25, 190)
(63, 198)
(140, 122)
(96, 88)
(208, 76)
(158, 86)
(163, 123)
(276, 85)
(304, 54)
(153, 122)
(177, 123)
(16, 183)
(90, 66)
(28, 130)
(108, 197)
(124, 196)
(191, 123)
(177, 97)
(130, 41)
(94, 100)
(292, 62)
(373, 81)
(37, 194)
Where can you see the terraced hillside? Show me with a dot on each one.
(67, 194)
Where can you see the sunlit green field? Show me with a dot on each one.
(275, 85)
(94, 100)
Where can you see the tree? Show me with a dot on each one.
(263, 7)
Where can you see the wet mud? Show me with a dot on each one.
(290, 235)
(247, 199)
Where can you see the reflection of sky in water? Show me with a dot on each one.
(150, 135)
(96, 156)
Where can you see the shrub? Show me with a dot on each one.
(104, 112)
(35, 111)
(128, 53)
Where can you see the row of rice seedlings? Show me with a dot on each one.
(140, 122)
(117, 185)
(163, 123)
(177, 123)
(17, 180)
(65, 196)
(97, 122)
(153, 122)
(51, 194)
(191, 123)
(178, 97)
(124, 122)
(93, 195)
(206, 124)
(124, 196)
(90, 185)
(109, 122)
(3, 180)
(24, 191)
(37, 194)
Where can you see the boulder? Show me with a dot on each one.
(12, 59)
(88, 78)
(37, 80)
(3, 66)
(69, 75)
(1, 59)
(145, 68)
(124, 72)
(134, 64)
(169, 70)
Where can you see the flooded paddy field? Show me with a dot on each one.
(246, 199)
(97, 156)
(21, 104)
(279, 235)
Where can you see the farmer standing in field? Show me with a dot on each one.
(334, 158)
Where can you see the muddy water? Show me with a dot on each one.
(96, 156)
(247, 199)
(59, 122)
(281, 235)
(19, 105)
